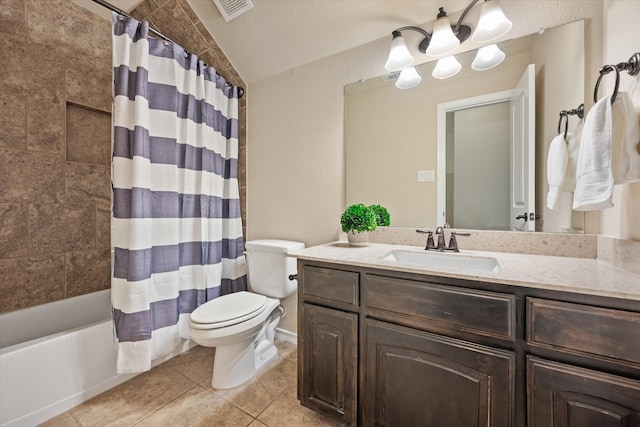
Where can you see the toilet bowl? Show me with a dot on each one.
(241, 326)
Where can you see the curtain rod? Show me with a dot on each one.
(153, 30)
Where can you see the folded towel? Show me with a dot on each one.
(561, 169)
(594, 176)
(625, 140)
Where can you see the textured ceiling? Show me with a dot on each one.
(278, 35)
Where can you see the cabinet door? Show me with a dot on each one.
(329, 362)
(567, 396)
(415, 378)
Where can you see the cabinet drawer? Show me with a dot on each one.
(421, 304)
(331, 286)
(584, 329)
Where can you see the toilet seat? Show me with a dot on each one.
(228, 310)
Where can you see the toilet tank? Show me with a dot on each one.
(270, 267)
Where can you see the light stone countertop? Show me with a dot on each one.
(579, 275)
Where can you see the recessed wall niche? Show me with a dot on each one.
(88, 134)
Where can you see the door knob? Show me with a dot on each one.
(523, 216)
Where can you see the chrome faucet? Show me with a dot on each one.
(441, 247)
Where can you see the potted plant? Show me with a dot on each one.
(357, 220)
(383, 219)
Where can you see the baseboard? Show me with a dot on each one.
(287, 336)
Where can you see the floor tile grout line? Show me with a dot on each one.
(271, 403)
(205, 387)
(78, 423)
(165, 405)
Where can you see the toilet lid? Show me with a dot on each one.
(229, 308)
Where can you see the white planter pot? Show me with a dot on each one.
(358, 239)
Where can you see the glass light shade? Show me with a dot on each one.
(408, 78)
(487, 57)
(446, 68)
(443, 40)
(399, 56)
(492, 23)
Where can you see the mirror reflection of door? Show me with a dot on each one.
(523, 137)
(478, 166)
(486, 161)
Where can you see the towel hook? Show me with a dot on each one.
(603, 71)
(573, 112)
(632, 67)
(563, 114)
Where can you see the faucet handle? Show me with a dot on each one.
(458, 233)
(430, 244)
(453, 242)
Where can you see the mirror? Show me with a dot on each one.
(391, 149)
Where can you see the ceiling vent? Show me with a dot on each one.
(230, 9)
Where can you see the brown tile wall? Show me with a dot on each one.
(55, 102)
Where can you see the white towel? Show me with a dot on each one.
(594, 176)
(562, 161)
(557, 162)
(573, 147)
(625, 140)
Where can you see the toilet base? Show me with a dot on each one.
(235, 364)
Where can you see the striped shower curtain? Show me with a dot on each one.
(176, 231)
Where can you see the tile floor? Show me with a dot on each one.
(179, 393)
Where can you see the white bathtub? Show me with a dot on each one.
(54, 357)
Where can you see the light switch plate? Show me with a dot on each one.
(426, 176)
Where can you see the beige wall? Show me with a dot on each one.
(621, 35)
(295, 150)
(296, 173)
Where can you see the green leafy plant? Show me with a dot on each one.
(383, 218)
(358, 218)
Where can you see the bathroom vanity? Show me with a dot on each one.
(547, 341)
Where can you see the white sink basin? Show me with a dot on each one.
(439, 259)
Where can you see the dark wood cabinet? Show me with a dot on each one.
(386, 348)
(417, 378)
(561, 395)
(329, 362)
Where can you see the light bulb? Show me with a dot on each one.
(443, 40)
(487, 57)
(492, 23)
(408, 78)
(446, 68)
(399, 56)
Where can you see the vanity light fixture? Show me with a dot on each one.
(446, 68)
(492, 23)
(446, 37)
(487, 57)
(408, 78)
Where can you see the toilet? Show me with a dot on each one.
(241, 326)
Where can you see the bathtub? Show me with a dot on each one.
(55, 356)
